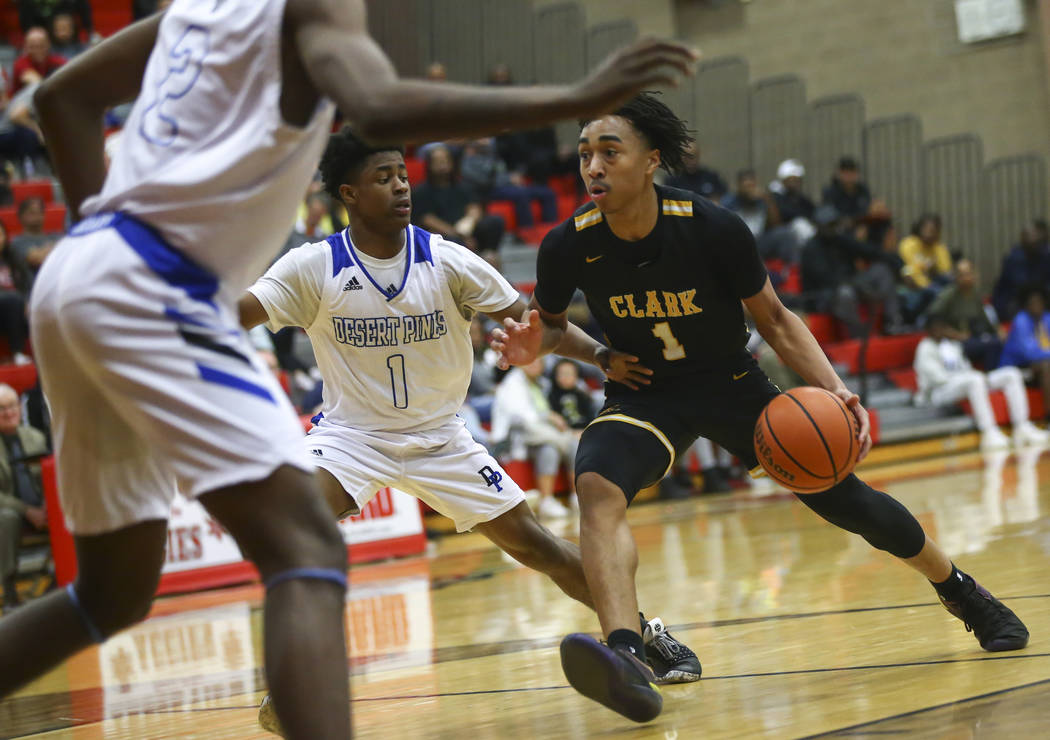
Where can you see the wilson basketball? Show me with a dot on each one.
(806, 440)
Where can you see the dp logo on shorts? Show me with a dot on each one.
(491, 477)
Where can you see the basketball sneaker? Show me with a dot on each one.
(671, 661)
(994, 625)
(268, 717)
(611, 676)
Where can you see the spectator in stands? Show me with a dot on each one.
(755, 206)
(847, 193)
(21, 492)
(840, 272)
(64, 36)
(522, 416)
(1027, 344)
(13, 324)
(697, 178)
(20, 137)
(30, 248)
(483, 372)
(314, 222)
(946, 377)
(482, 169)
(32, 13)
(37, 61)
(927, 264)
(796, 213)
(569, 397)
(436, 72)
(1028, 262)
(445, 206)
(960, 307)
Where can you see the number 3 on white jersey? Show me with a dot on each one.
(160, 124)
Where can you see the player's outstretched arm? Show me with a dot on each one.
(346, 65)
(539, 333)
(71, 103)
(791, 339)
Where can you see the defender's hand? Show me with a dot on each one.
(623, 368)
(518, 343)
(642, 65)
(852, 400)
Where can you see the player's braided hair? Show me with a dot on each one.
(343, 158)
(659, 126)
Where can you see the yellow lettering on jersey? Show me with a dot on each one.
(671, 301)
(678, 208)
(632, 309)
(590, 218)
(686, 297)
(653, 309)
(616, 304)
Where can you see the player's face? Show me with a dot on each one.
(616, 163)
(381, 195)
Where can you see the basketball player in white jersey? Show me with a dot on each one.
(152, 383)
(387, 307)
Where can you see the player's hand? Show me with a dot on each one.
(518, 343)
(623, 368)
(645, 64)
(852, 400)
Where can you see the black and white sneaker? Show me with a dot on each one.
(671, 661)
(994, 625)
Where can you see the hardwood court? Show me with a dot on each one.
(802, 630)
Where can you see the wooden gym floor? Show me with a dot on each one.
(802, 630)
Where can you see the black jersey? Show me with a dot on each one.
(671, 298)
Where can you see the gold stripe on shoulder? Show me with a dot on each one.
(678, 207)
(590, 218)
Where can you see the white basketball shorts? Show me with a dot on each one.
(151, 382)
(445, 468)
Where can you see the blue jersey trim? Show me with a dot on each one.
(340, 254)
(221, 377)
(317, 418)
(409, 238)
(170, 264)
(422, 240)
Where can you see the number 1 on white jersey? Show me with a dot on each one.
(398, 383)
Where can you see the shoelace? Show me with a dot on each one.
(667, 646)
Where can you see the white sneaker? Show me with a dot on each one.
(551, 508)
(994, 439)
(1028, 433)
(532, 498)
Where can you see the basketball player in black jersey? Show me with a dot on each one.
(667, 274)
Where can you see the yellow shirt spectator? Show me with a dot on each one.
(924, 261)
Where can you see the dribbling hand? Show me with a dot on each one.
(645, 64)
(852, 400)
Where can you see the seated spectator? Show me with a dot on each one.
(1027, 344)
(839, 273)
(30, 248)
(20, 137)
(697, 178)
(65, 37)
(314, 222)
(445, 206)
(521, 416)
(796, 212)
(37, 61)
(21, 491)
(945, 377)
(1028, 262)
(568, 396)
(755, 206)
(482, 169)
(961, 308)
(847, 193)
(483, 371)
(927, 264)
(41, 12)
(13, 324)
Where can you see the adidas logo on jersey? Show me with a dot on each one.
(352, 284)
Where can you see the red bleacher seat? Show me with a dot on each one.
(534, 234)
(564, 185)
(505, 209)
(904, 378)
(567, 205)
(823, 327)
(32, 188)
(792, 284)
(55, 218)
(19, 377)
(417, 170)
(884, 353)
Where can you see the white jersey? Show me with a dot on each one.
(206, 158)
(392, 361)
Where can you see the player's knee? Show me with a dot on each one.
(113, 607)
(599, 496)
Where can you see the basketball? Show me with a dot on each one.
(806, 440)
